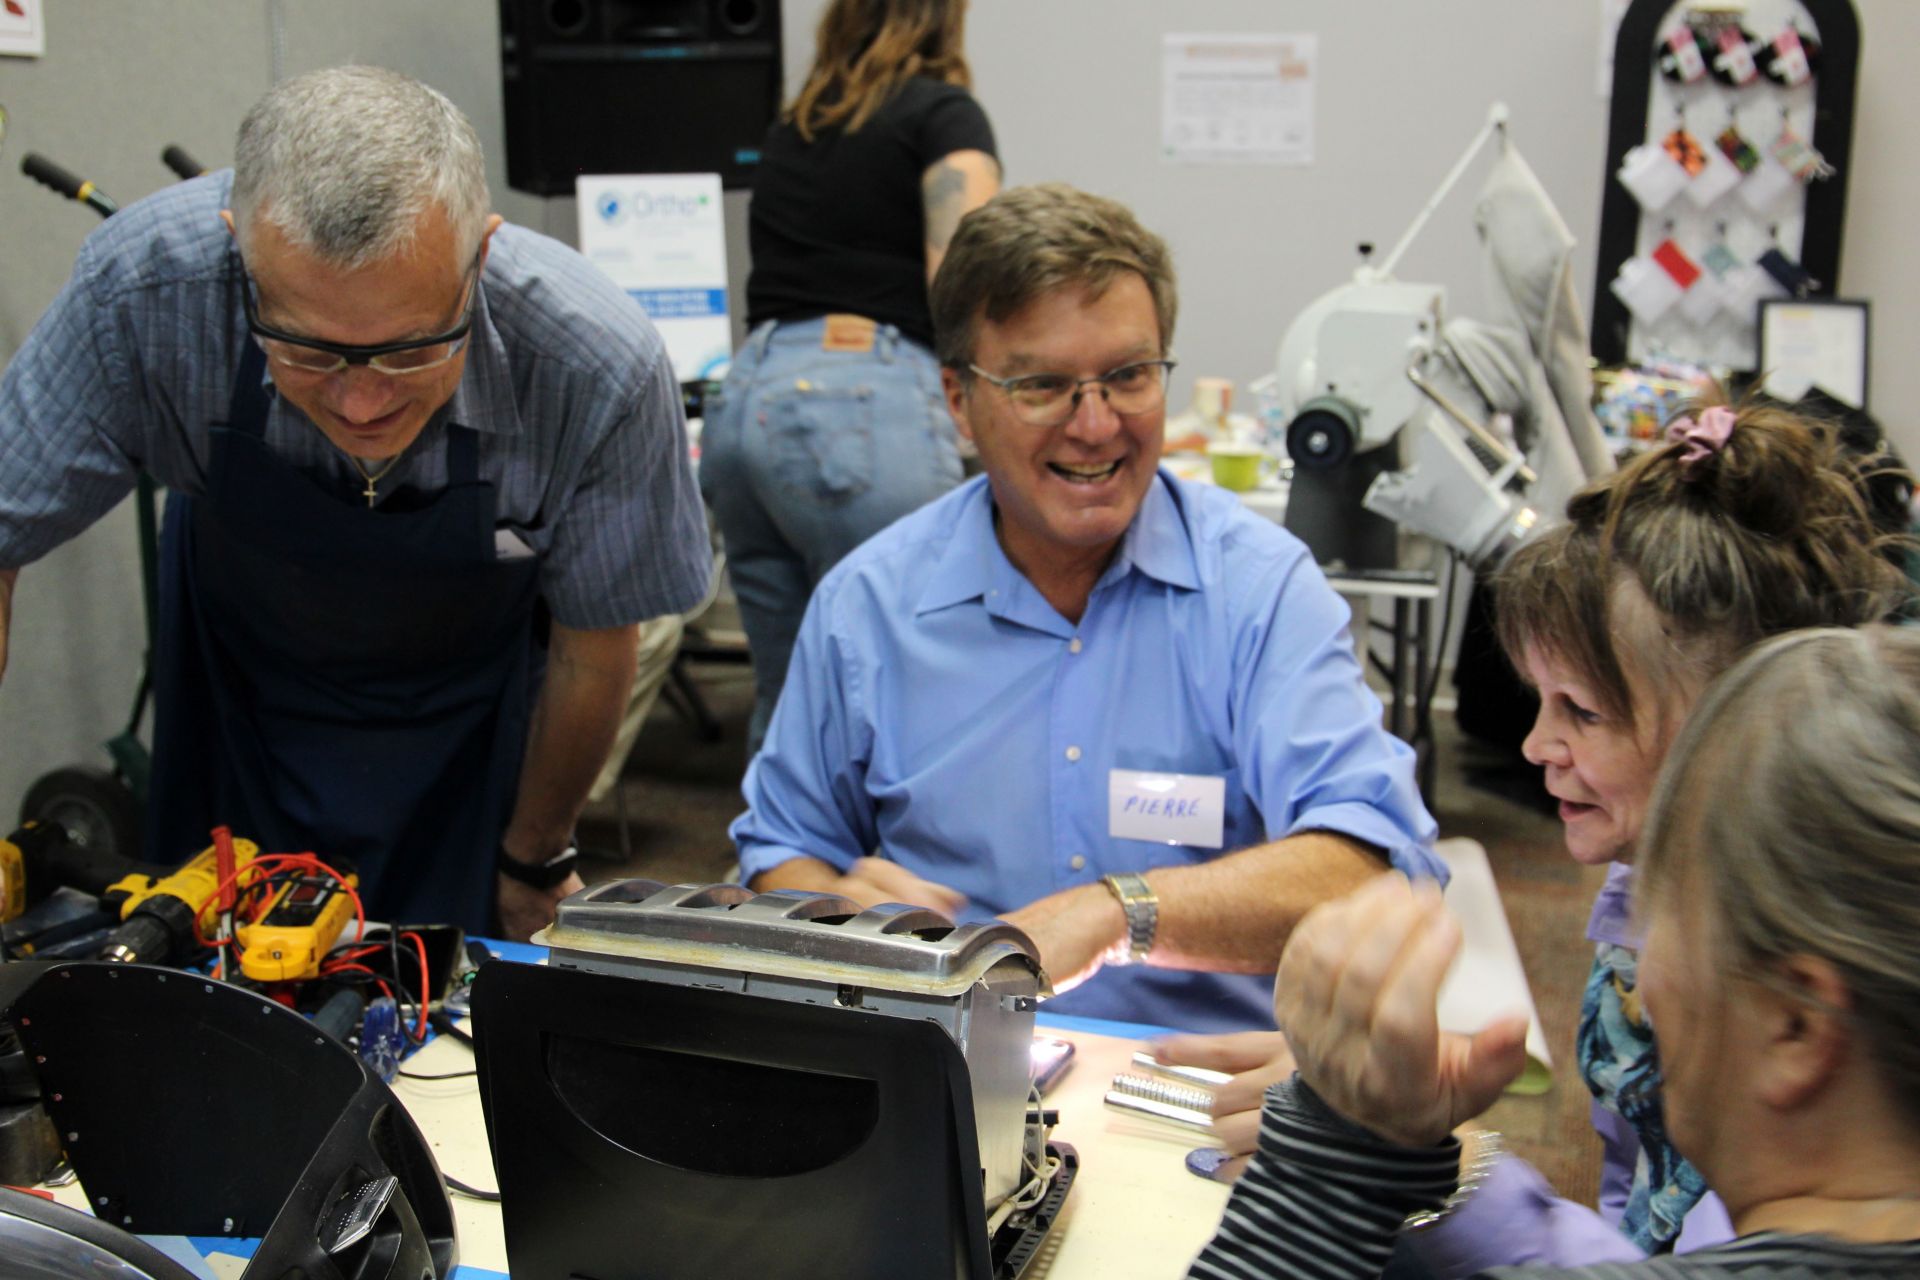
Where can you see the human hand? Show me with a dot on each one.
(1073, 931)
(872, 881)
(1356, 993)
(525, 910)
(1255, 1060)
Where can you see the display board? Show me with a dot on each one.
(1728, 157)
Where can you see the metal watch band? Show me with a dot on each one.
(538, 875)
(1142, 907)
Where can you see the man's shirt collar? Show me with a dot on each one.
(973, 566)
(488, 380)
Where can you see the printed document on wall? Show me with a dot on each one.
(23, 31)
(1238, 98)
(661, 237)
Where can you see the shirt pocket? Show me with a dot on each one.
(822, 440)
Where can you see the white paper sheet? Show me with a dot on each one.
(1238, 98)
(1487, 980)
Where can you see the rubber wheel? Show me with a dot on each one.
(96, 807)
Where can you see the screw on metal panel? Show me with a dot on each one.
(226, 1224)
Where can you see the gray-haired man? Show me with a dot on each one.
(392, 427)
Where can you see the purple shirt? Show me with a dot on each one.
(1516, 1217)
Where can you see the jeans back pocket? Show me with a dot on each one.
(822, 440)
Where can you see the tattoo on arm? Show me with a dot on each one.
(943, 192)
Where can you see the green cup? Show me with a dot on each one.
(1236, 466)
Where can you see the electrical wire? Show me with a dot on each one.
(1041, 1175)
(460, 1188)
(426, 987)
(443, 1075)
(1423, 713)
(375, 978)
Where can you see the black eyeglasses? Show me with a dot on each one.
(396, 359)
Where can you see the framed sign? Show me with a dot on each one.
(1809, 342)
(23, 31)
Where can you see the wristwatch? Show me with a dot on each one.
(1142, 907)
(538, 875)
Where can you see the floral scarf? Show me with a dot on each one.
(1621, 1065)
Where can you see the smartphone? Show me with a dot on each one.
(1051, 1058)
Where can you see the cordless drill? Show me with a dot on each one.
(157, 911)
(43, 856)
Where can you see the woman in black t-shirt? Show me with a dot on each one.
(831, 424)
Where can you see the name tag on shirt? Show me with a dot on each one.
(1167, 808)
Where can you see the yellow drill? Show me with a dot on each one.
(157, 911)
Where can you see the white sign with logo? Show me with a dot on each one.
(662, 238)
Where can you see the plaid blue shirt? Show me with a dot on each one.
(566, 383)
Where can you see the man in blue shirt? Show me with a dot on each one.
(1113, 707)
(391, 425)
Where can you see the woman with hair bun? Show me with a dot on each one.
(831, 424)
(1747, 523)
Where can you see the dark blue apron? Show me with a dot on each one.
(334, 677)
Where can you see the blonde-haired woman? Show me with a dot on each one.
(1779, 882)
(831, 424)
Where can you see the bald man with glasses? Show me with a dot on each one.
(427, 474)
(1077, 692)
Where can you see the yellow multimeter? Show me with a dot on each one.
(300, 925)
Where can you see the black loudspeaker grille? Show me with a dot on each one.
(637, 86)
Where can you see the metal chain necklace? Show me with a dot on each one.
(374, 477)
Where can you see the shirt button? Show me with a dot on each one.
(1073, 753)
(1073, 646)
(1077, 863)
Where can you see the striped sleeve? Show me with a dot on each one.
(1323, 1198)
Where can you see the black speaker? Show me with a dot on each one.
(637, 86)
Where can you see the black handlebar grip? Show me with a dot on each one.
(43, 170)
(176, 159)
(49, 174)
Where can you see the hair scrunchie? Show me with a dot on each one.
(1703, 436)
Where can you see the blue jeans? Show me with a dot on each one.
(807, 454)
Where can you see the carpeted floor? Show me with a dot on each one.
(681, 792)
